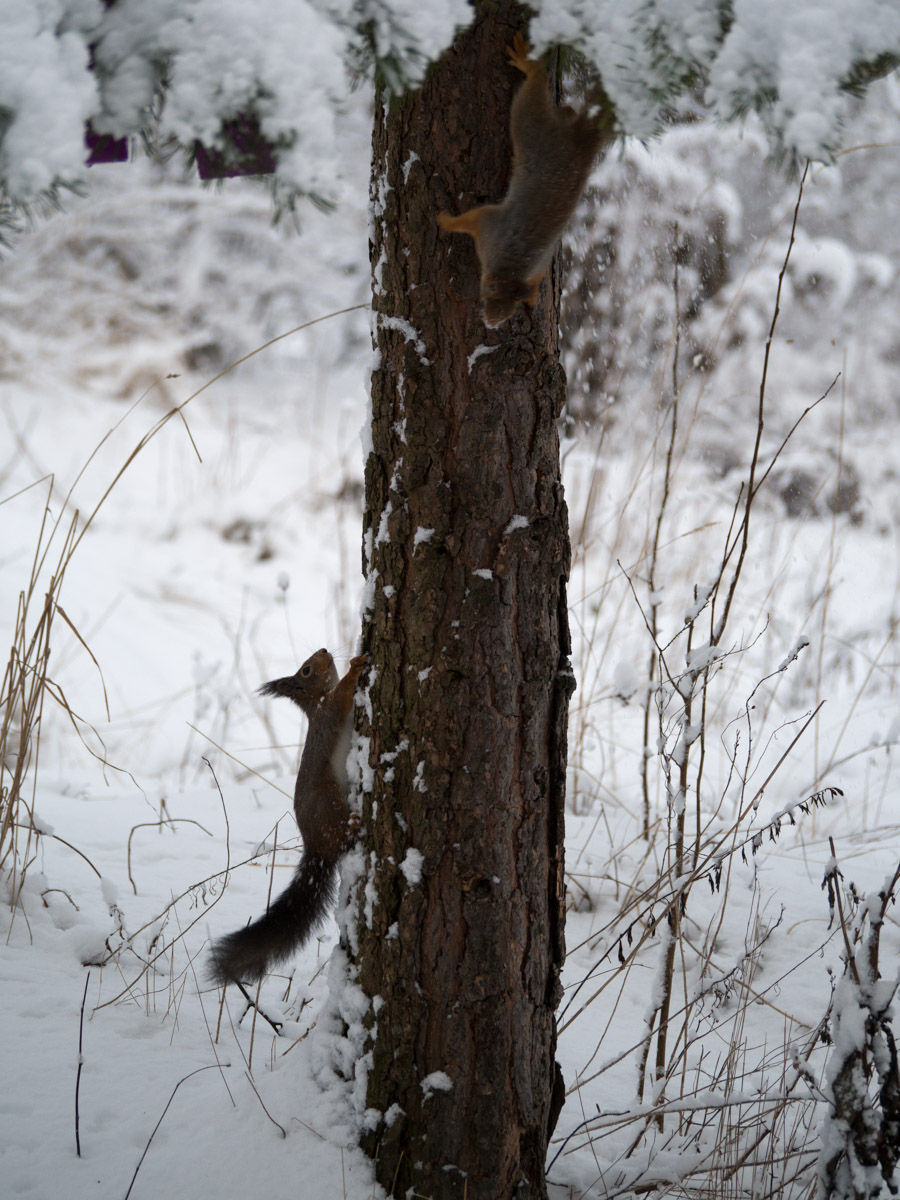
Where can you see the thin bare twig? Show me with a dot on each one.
(190, 1075)
(80, 1065)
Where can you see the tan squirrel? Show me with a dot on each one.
(553, 152)
(323, 817)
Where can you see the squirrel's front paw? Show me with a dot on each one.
(356, 668)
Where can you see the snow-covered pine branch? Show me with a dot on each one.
(188, 68)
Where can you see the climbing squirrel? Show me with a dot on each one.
(323, 817)
(553, 152)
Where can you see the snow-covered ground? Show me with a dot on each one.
(228, 550)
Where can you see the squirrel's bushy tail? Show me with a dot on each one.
(248, 953)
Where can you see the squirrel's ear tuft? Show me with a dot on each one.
(495, 312)
(499, 298)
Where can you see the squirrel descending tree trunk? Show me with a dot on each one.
(554, 150)
(323, 818)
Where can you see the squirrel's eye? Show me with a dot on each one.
(305, 671)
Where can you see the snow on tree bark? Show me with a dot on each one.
(459, 936)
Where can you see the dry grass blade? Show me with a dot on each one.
(90, 654)
(26, 682)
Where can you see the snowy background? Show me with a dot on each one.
(229, 550)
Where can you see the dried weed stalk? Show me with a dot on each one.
(714, 1115)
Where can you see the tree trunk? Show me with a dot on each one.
(459, 915)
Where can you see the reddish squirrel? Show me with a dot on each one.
(323, 817)
(553, 152)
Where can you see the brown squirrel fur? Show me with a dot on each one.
(553, 152)
(323, 818)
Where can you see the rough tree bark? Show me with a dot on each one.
(459, 938)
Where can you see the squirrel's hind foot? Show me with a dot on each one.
(519, 53)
